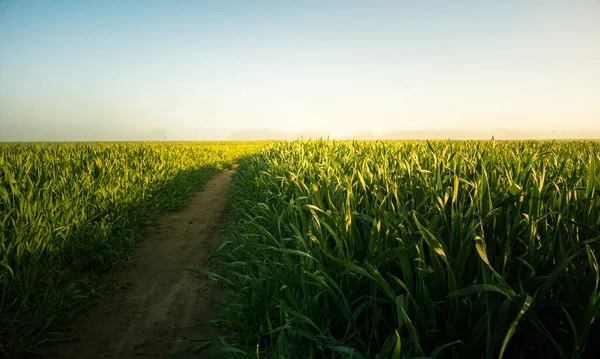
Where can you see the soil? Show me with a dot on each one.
(158, 302)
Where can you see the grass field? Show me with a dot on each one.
(340, 249)
(415, 249)
(69, 212)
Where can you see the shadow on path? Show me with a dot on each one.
(158, 302)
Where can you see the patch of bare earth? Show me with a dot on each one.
(158, 302)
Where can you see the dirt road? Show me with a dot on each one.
(159, 302)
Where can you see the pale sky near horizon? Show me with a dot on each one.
(208, 68)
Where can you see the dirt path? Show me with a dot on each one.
(159, 302)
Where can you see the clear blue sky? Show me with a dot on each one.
(202, 69)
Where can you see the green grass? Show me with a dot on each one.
(69, 212)
(414, 249)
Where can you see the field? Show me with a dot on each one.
(340, 249)
(416, 249)
(69, 212)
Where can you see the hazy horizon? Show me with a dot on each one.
(270, 134)
(160, 70)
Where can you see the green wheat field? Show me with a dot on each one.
(339, 249)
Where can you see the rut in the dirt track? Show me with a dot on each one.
(159, 302)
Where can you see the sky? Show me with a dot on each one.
(119, 70)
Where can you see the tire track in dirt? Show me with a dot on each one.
(159, 302)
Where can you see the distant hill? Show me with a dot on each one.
(499, 134)
(362, 135)
(438, 135)
(259, 134)
(313, 135)
(267, 134)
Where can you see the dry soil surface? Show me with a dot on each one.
(158, 302)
